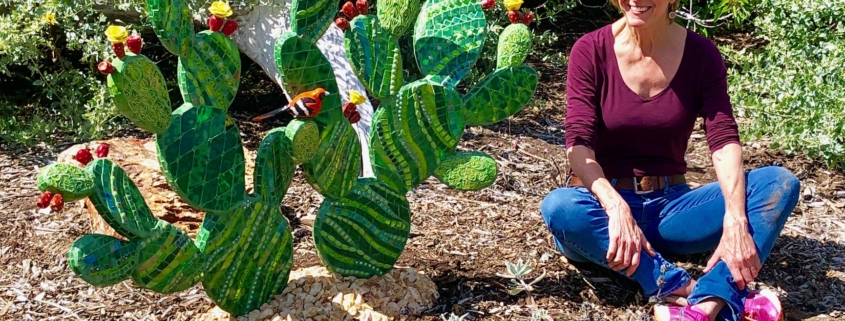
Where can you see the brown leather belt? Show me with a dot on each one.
(640, 183)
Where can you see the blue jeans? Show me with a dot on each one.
(676, 220)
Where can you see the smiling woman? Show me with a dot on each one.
(635, 89)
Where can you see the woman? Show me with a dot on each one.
(634, 91)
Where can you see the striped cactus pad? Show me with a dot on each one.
(119, 201)
(249, 255)
(448, 38)
(334, 169)
(202, 158)
(500, 95)
(374, 56)
(397, 16)
(103, 260)
(168, 260)
(363, 233)
(72, 182)
(273, 167)
(211, 73)
(303, 67)
(411, 135)
(140, 93)
(171, 20)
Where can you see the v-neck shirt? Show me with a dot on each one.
(636, 136)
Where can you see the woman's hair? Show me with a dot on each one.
(674, 6)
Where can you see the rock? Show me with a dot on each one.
(138, 158)
(314, 293)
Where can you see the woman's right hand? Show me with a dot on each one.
(626, 239)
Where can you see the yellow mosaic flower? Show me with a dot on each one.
(220, 9)
(49, 18)
(117, 34)
(356, 97)
(513, 5)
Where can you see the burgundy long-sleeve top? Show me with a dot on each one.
(635, 136)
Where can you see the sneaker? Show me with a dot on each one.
(762, 305)
(678, 313)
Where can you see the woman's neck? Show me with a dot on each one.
(644, 38)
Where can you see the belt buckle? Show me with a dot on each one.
(637, 187)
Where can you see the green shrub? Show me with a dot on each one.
(791, 89)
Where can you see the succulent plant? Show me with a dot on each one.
(243, 251)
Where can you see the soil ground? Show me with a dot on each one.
(460, 239)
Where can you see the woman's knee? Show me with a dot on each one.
(779, 189)
(565, 209)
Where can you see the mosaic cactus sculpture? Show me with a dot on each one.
(242, 254)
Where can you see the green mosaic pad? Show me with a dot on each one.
(202, 158)
(311, 18)
(171, 21)
(374, 56)
(303, 67)
(72, 182)
(335, 168)
(500, 95)
(139, 92)
(273, 167)
(102, 260)
(211, 73)
(514, 45)
(119, 202)
(304, 137)
(249, 254)
(396, 16)
(448, 38)
(168, 261)
(411, 135)
(467, 171)
(363, 233)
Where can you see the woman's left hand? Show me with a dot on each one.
(739, 252)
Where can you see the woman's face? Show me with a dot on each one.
(642, 13)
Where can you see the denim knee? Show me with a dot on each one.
(565, 210)
(780, 189)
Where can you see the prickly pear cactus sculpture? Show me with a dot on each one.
(242, 254)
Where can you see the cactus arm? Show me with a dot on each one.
(202, 158)
(363, 233)
(210, 73)
(374, 56)
(311, 18)
(171, 21)
(72, 182)
(334, 169)
(249, 253)
(102, 260)
(397, 16)
(273, 167)
(414, 132)
(119, 201)
(139, 93)
(304, 137)
(303, 67)
(500, 95)
(168, 261)
(467, 171)
(448, 38)
(514, 45)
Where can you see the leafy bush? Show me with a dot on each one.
(791, 89)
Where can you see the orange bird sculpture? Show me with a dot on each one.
(305, 105)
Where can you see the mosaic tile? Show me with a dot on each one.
(374, 56)
(304, 137)
(303, 67)
(309, 19)
(363, 233)
(500, 95)
(397, 16)
(209, 75)
(168, 260)
(448, 38)
(467, 171)
(335, 168)
(119, 202)
(273, 167)
(514, 44)
(139, 93)
(171, 21)
(103, 260)
(202, 158)
(72, 182)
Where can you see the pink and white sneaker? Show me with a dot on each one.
(762, 305)
(678, 313)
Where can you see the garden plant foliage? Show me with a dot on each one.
(791, 89)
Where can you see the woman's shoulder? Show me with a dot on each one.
(703, 49)
(593, 39)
